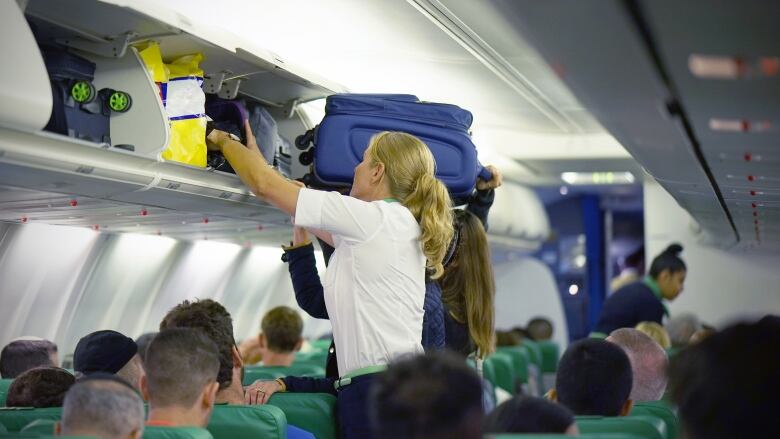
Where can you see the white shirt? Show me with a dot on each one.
(375, 282)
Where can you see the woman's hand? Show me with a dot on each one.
(494, 182)
(216, 139)
(260, 391)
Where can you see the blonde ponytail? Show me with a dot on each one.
(410, 168)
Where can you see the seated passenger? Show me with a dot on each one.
(181, 380)
(109, 352)
(681, 328)
(26, 353)
(281, 337)
(594, 378)
(102, 406)
(526, 414)
(429, 396)
(40, 387)
(540, 329)
(648, 363)
(656, 332)
(726, 386)
(216, 323)
(143, 342)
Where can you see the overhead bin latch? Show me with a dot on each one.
(222, 84)
(114, 47)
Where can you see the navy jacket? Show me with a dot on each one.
(628, 306)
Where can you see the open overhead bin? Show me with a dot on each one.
(518, 220)
(124, 170)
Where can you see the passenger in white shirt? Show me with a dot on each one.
(396, 222)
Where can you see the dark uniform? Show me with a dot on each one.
(636, 302)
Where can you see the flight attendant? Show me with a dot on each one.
(396, 223)
(643, 300)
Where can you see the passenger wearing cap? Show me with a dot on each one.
(181, 383)
(104, 406)
(109, 352)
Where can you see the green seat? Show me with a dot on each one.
(5, 383)
(3, 429)
(321, 345)
(38, 436)
(519, 361)
(254, 373)
(313, 412)
(155, 432)
(16, 418)
(659, 409)
(647, 427)
(247, 422)
(562, 436)
(40, 426)
(550, 353)
(505, 376)
(316, 358)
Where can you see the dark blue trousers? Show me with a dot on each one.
(352, 408)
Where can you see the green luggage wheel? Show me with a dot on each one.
(82, 92)
(119, 101)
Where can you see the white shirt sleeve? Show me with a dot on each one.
(352, 219)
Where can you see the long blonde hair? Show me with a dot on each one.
(410, 169)
(467, 287)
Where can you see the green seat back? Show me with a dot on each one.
(550, 352)
(321, 345)
(519, 358)
(3, 429)
(40, 426)
(505, 376)
(313, 412)
(315, 358)
(16, 418)
(562, 436)
(5, 383)
(659, 409)
(176, 433)
(247, 422)
(646, 427)
(254, 373)
(38, 436)
(534, 352)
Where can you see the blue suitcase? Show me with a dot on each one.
(351, 119)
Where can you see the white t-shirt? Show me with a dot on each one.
(375, 282)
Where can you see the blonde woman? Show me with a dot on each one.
(656, 332)
(396, 223)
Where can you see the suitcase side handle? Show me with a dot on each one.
(484, 173)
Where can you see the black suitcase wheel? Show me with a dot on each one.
(83, 92)
(302, 142)
(306, 158)
(119, 101)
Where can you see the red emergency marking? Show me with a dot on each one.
(205, 220)
(144, 212)
(751, 178)
(755, 214)
(96, 227)
(770, 66)
(748, 157)
(73, 203)
(753, 193)
(24, 219)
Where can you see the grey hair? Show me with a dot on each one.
(648, 363)
(681, 328)
(102, 408)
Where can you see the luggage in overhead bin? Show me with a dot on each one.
(228, 116)
(274, 147)
(351, 119)
(79, 110)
